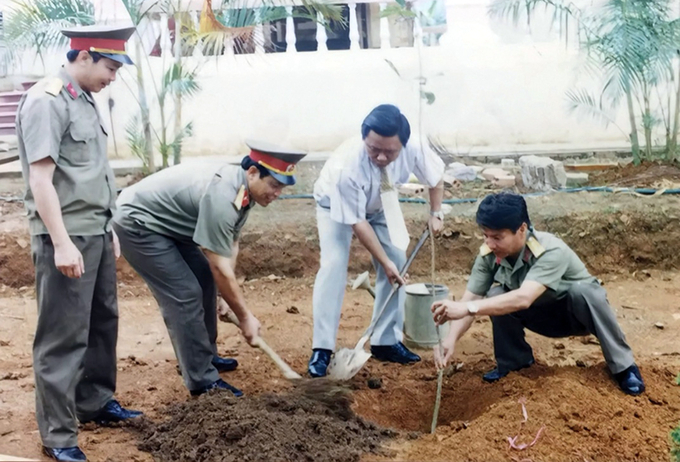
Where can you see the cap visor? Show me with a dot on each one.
(288, 180)
(124, 59)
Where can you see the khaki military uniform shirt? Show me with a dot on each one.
(57, 119)
(545, 259)
(206, 205)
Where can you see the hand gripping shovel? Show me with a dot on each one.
(347, 362)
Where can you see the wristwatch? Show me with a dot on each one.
(438, 214)
(473, 308)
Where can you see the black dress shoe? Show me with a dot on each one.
(113, 412)
(220, 385)
(73, 454)
(630, 381)
(318, 363)
(396, 353)
(224, 364)
(497, 374)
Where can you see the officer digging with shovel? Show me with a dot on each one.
(350, 195)
(179, 229)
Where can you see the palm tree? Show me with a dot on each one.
(37, 24)
(632, 45)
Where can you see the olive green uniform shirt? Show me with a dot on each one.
(203, 204)
(57, 119)
(545, 259)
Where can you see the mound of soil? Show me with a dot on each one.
(582, 413)
(286, 427)
(607, 241)
(647, 174)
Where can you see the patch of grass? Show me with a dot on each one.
(675, 444)
(677, 380)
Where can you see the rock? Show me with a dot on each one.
(491, 174)
(576, 179)
(542, 173)
(575, 425)
(12, 376)
(293, 310)
(506, 181)
(23, 243)
(659, 325)
(374, 383)
(461, 172)
(559, 346)
(507, 163)
(581, 363)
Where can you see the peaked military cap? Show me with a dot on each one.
(109, 41)
(279, 161)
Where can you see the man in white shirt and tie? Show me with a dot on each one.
(348, 197)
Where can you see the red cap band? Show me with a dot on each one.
(85, 43)
(273, 163)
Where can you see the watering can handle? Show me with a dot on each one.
(364, 338)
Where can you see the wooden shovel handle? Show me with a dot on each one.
(288, 373)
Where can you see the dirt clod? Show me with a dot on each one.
(374, 383)
(284, 427)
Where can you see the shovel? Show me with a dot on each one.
(362, 282)
(288, 373)
(347, 362)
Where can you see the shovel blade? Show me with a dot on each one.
(346, 363)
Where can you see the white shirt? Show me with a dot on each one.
(349, 183)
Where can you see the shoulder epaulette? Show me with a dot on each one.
(484, 250)
(536, 248)
(242, 198)
(53, 86)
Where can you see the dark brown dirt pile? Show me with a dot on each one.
(287, 427)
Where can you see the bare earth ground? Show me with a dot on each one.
(629, 242)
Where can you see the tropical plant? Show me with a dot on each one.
(631, 45)
(37, 24)
(404, 10)
(675, 444)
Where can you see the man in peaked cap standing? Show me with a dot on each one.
(179, 229)
(70, 198)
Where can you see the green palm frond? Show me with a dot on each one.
(517, 10)
(240, 21)
(38, 23)
(241, 14)
(138, 9)
(582, 102)
(186, 132)
(179, 80)
(135, 138)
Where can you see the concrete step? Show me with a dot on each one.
(8, 129)
(28, 84)
(7, 117)
(9, 107)
(11, 96)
